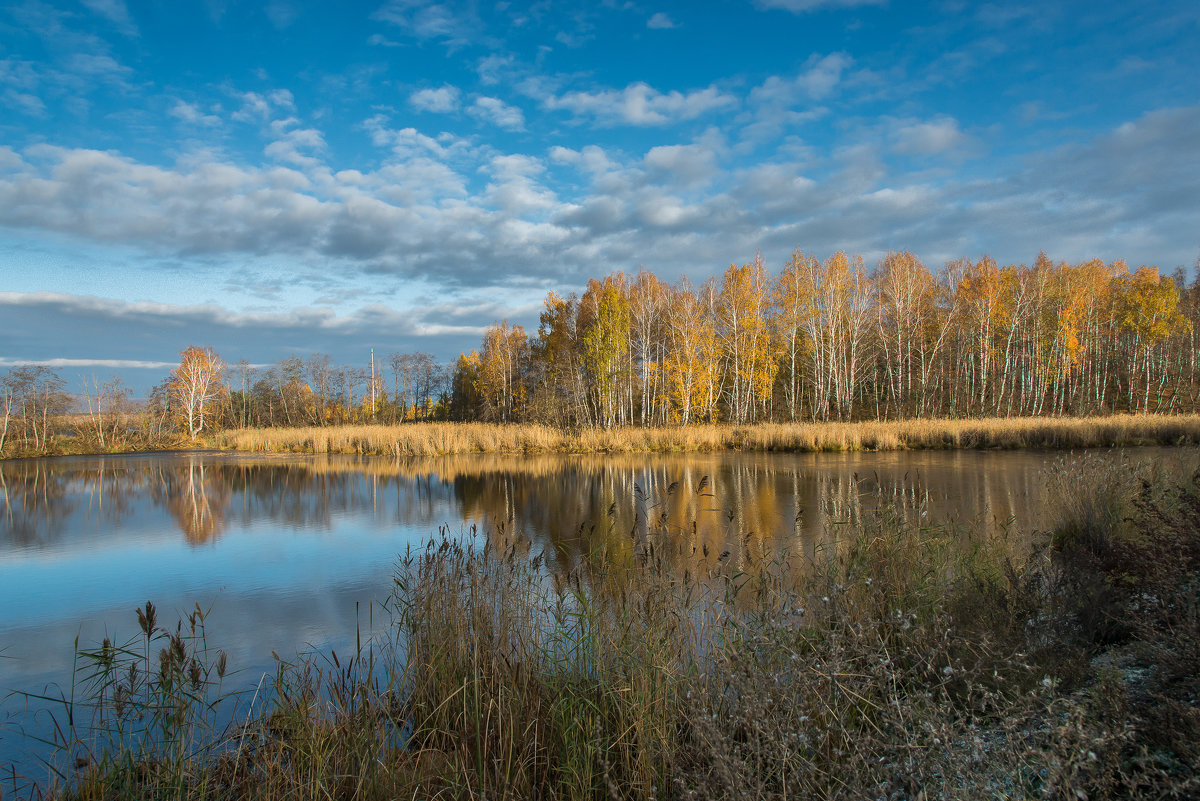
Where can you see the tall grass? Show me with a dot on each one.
(903, 661)
(434, 439)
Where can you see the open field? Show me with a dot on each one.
(433, 439)
(902, 662)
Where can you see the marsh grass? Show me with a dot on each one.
(435, 439)
(901, 661)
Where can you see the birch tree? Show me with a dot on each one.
(196, 387)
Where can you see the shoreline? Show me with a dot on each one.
(440, 439)
(445, 439)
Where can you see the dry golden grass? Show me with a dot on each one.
(437, 439)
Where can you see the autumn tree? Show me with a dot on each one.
(743, 309)
(1148, 313)
(559, 391)
(691, 368)
(465, 399)
(196, 387)
(826, 339)
(499, 384)
(905, 310)
(647, 302)
(604, 321)
(792, 297)
(6, 404)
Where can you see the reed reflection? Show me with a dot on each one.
(762, 504)
(571, 505)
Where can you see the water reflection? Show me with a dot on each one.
(565, 500)
(282, 549)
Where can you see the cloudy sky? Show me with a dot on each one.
(289, 177)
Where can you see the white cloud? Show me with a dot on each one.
(25, 102)
(115, 364)
(660, 21)
(803, 6)
(928, 138)
(564, 155)
(674, 206)
(430, 20)
(492, 68)
(640, 104)
(93, 328)
(816, 80)
(491, 109)
(379, 40)
(255, 107)
(515, 188)
(296, 146)
(191, 114)
(96, 67)
(442, 100)
(689, 164)
(282, 98)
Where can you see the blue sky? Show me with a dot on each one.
(291, 177)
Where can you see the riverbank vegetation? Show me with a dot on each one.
(817, 341)
(902, 661)
(436, 439)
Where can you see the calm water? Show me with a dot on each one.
(282, 549)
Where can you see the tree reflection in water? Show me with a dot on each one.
(283, 548)
(570, 505)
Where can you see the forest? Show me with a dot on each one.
(818, 340)
(833, 340)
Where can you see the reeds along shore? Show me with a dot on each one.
(434, 439)
(906, 663)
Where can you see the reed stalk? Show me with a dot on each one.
(436, 439)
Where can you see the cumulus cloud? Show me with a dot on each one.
(641, 104)
(191, 114)
(497, 112)
(660, 21)
(552, 219)
(441, 100)
(296, 146)
(255, 107)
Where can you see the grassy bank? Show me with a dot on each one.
(903, 662)
(434, 439)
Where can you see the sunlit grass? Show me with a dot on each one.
(434, 439)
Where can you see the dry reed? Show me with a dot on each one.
(436, 439)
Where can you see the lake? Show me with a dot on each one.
(294, 553)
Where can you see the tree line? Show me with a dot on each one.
(204, 394)
(835, 340)
(817, 340)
